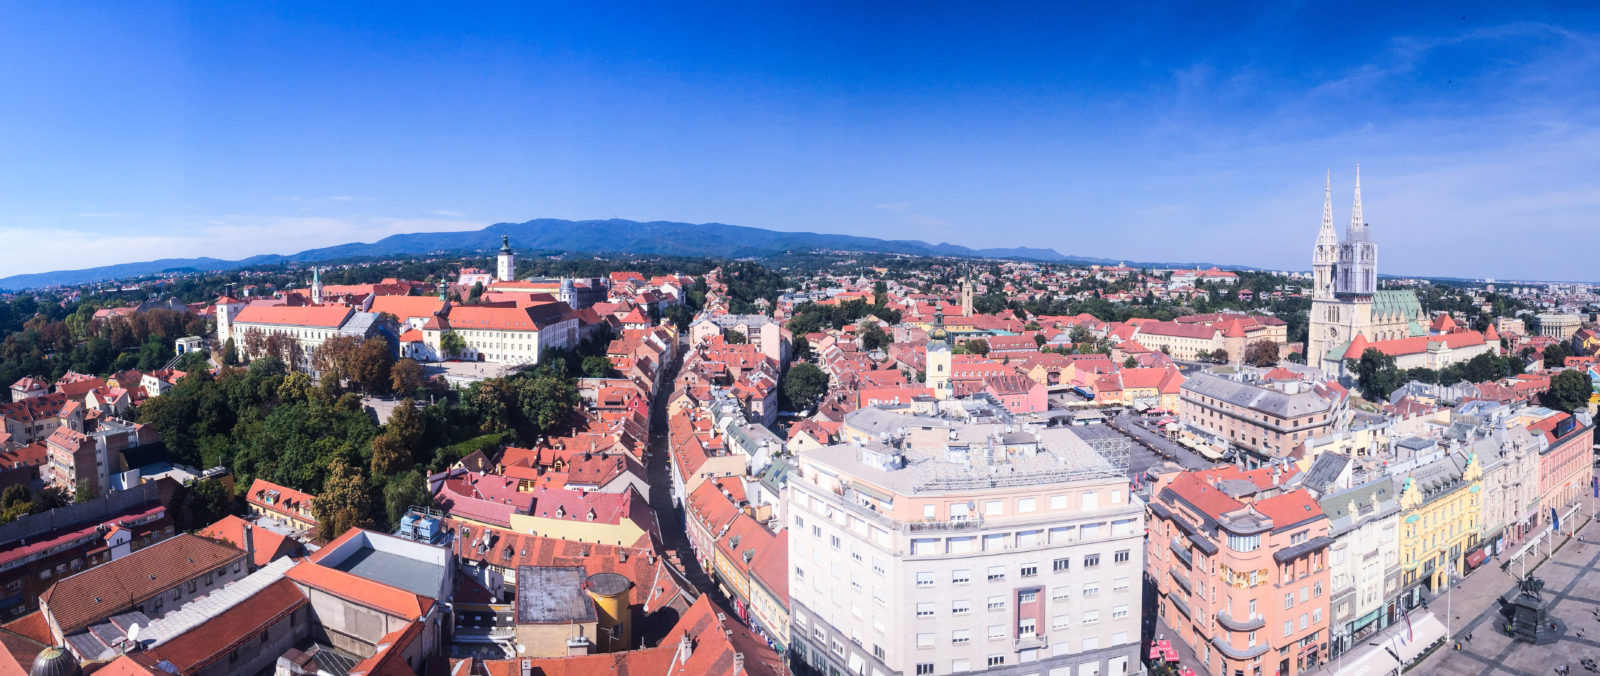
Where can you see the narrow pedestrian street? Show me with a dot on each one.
(674, 536)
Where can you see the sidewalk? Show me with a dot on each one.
(1572, 587)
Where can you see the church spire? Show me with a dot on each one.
(1358, 225)
(1327, 235)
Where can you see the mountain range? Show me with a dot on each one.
(615, 236)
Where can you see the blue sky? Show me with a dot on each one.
(1153, 132)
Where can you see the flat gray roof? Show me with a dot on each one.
(552, 595)
(418, 577)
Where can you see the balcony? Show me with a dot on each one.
(1181, 580)
(930, 526)
(1028, 641)
(1227, 622)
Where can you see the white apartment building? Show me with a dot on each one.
(944, 538)
(1364, 575)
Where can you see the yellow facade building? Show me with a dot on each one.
(1440, 506)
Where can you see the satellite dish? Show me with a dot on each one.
(133, 632)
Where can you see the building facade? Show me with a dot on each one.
(1364, 522)
(909, 556)
(1241, 570)
(1264, 421)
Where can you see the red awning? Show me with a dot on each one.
(1476, 558)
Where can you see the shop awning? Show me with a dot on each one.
(1377, 654)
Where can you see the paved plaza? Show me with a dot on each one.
(1572, 588)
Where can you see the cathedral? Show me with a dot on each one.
(1345, 299)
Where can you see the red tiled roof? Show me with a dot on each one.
(357, 589)
(268, 544)
(1177, 330)
(79, 600)
(406, 307)
(772, 567)
(316, 316)
(214, 639)
(288, 504)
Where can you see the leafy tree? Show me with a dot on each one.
(1219, 356)
(230, 353)
(477, 292)
(200, 504)
(1376, 374)
(680, 316)
(880, 292)
(804, 384)
(735, 337)
(343, 503)
(1569, 391)
(873, 336)
(406, 490)
(801, 348)
(370, 365)
(1129, 363)
(1556, 355)
(406, 377)
(1080, 334)
(296, 386)
(84, 493)
(1039, 340)
(452, 344)
(977, 346)
(389, 456)
(1261, 353)
(598, 366)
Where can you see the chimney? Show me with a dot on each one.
(685, 648)
(249, 547)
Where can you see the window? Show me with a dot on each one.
(997, 660)
(1091, 617)
(1025, 505)
(1091, 560)
(1288, 627)
(1090, 501)
(925, 579)
(997, 573)
(960, 665)
(1121, 584)
(1058, 502)
(1305, 621)
(929, 512)
(994, 507)
(1060, 565)
(1059, 622)
(1252, 639)
(995, 542)
(1288, 600)
(924, 610)
(997, 632)
(878, 566)
(1091, 589)
(1028, 538)
(960, 607)
(961, 636)
(1027, 597)
(1121, 556)
(960, 576)
(997, 603)
(1244, 543)
(1317, 589)
(1119, 612)
(1316, 615)
(1059, 593)
(1121, 527)
(924, 546)
(1030, 569)
(1090, 531)
(833, 540)
(1025, 627)
(924, 668)
(963, 545)
(924, 640)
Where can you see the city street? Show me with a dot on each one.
(1572, 588)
